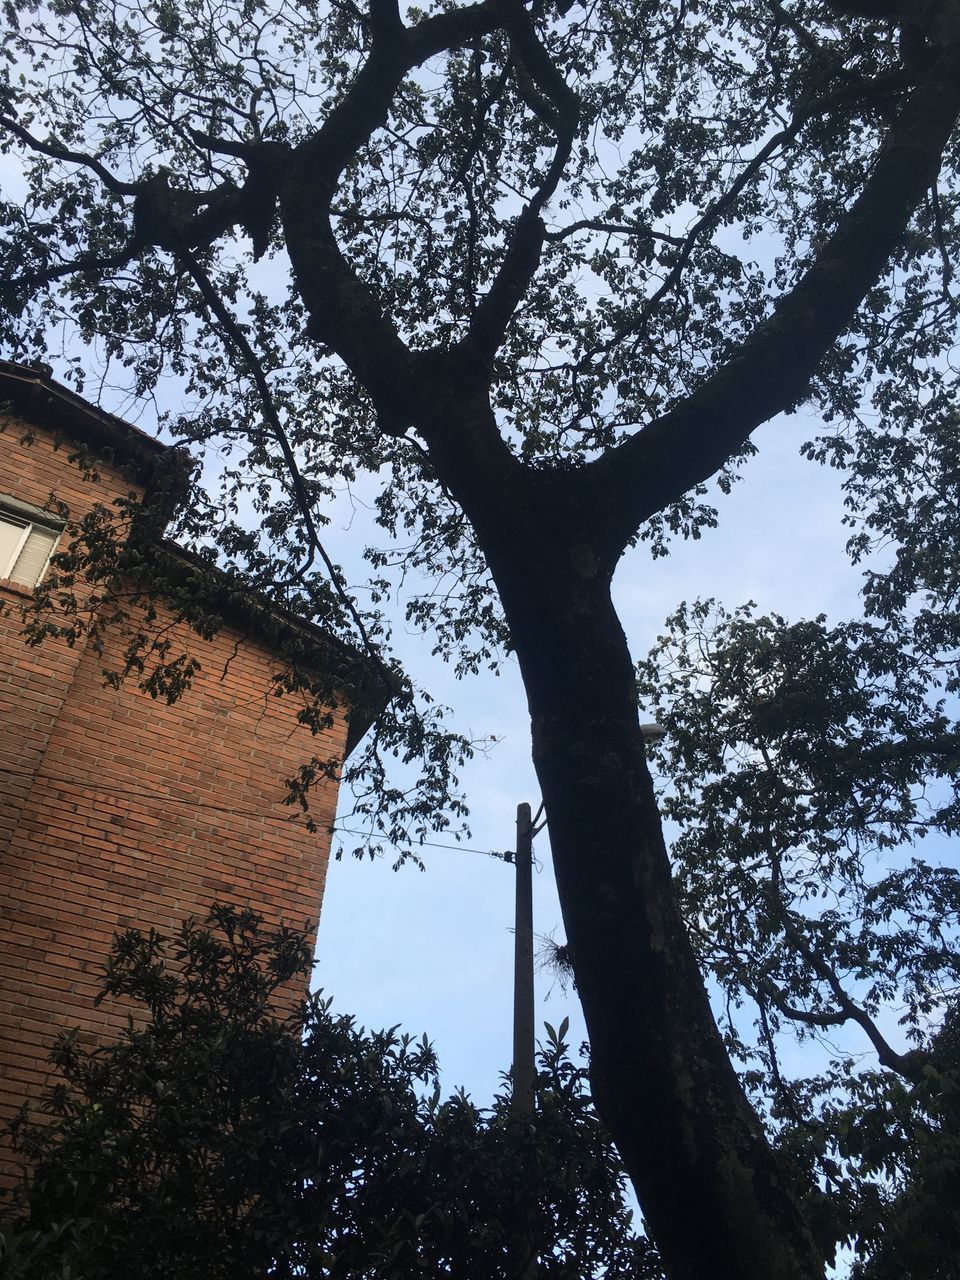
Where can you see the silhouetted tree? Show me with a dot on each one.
(542, 270)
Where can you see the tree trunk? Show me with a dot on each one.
(715, 1198)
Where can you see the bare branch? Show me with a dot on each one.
(59, 152)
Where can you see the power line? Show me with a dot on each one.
(501, 856)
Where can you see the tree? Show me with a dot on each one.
(812, 758)
(543, 269)
(214, 1139)
(921, 1234)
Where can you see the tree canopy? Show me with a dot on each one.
(217, 1139)
(540, 270)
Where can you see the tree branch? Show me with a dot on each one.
(640, 230)
(522, 256)
(942, 747)
(772, 369)
(239, 341)
(908, 1065)
(826, 1018)
(86, 262)
(344, 311)
(710, 218)
(786, 1095)
(396, 51)
(905, 1064)
(222, 146)
(57, 151)
(385, 20)
(937, 210)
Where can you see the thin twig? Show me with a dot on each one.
(255, 368)
(940, 241)
(59, 152)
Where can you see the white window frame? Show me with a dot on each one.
(13, 512)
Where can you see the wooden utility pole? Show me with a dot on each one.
(525, 1264)
(524, 1065)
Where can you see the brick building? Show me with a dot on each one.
(116, 808)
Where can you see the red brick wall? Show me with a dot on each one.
(122, 810)
(33, 682)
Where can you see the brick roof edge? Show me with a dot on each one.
(368, 685)
(163, 469)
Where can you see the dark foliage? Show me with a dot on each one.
(215, 1139)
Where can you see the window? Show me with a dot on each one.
(27, 539)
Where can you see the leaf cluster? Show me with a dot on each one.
(222, 1137)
